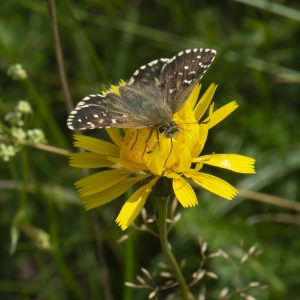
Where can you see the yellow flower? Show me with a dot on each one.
(138, 155)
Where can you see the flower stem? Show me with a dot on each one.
(44, 147)
(163, 236)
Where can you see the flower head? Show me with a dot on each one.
(144, 155)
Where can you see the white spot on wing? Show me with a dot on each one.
(153, 62)
(187, 81)
(131, 80)
(92, 126)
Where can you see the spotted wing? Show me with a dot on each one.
(108, 110)
(149, 73)
(181, 73)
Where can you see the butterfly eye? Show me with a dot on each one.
(162, 129)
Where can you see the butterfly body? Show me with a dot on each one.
(153, 94)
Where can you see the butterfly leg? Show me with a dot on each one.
(136, 138)
(157, 142)
(147, 141)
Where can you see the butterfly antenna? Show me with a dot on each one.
(191, 123)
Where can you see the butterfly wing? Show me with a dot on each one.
(154, 92)
(140, 103)
(181, 73)
(108, 110)
(149, 73)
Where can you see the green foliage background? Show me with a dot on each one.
(104, 41)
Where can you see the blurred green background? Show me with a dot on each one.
(50, 247)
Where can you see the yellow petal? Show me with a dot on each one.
(111, 193)
(193, 97)
(220, 114)
(115, 135)
(204, 101)
(184, 192)
(127, 164)
(233, 162)
(134, 204)
(161, 157)
(137, 143)
(115, 88)
(215, 185)
(89, 160)
(171, 174)
(95, 145)
(100, 181)
(203, 133)
(183, 158)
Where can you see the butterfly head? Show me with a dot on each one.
(168, 129)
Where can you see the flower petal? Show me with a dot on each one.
(134, 204)
(233, 162)
(115, 136)
(199, 145)
(115, 88)
(100, 181)
(220, 114)
(95, 145)
(89, 160)
(184, 192)
(215, 185)
(161, 158)
(193, 97)
(204, 101)
(126, 164)
(111, 193)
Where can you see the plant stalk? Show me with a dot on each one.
(163, 236)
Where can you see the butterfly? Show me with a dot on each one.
(152, 95)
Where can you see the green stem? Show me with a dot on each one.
(44, 147)
(163, 236)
